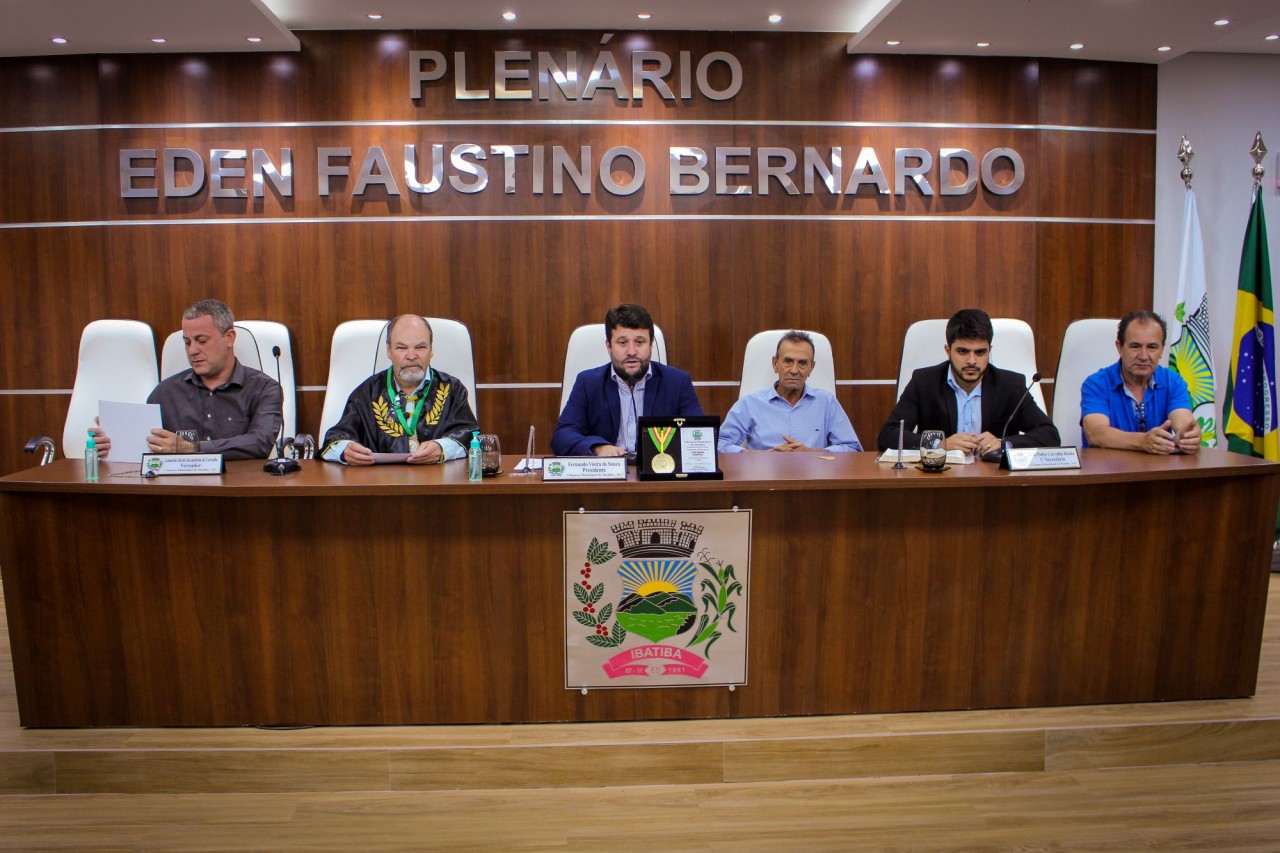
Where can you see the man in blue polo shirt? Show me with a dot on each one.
(1135, 404)
(791, 415)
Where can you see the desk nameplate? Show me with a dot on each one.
(1042, 458)
(585, 468)
(181, 464)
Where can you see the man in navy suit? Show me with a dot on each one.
(607, 401)
(969, 398)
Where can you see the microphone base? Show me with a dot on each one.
(994, 456)
(281, 466)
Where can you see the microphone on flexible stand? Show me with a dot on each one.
(280, 465)
(998, 455)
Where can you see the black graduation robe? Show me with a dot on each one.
(370, 419)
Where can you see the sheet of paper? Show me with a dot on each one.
(524, 465)
(697, 450)
(128, 425)
(389, 458)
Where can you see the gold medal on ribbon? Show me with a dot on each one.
(403, 405)
(661, 437)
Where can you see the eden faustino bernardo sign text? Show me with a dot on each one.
(509, 158)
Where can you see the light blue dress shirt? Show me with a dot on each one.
(968, 406)
(762, 419)
(631, 399)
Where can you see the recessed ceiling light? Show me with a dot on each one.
(159, 40)
(1164, 48)
(893, 42)
(1221, 22)
(775, 19)
(1273, 37)
(253, 39)
(58, 40)
(984, 44)
(1077, 46)
(374, 16)
(644, 16)
(508, 16)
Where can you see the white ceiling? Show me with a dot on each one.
(1122, 30)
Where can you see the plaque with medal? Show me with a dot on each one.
(678, 448)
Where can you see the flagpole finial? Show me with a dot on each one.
(1184, 157)
(1259, 151)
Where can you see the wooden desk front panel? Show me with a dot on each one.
(155, 609)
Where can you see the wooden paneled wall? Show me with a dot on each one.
(522, 285)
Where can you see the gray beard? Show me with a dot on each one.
(407, 381)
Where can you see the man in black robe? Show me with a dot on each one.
(407, 408)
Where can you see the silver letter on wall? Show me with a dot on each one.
(466, 167)
(606, 170)
(946, 156)
(654, 77)
(417, 76)
(264, 170)
(508, 154)
(696, 170)
(411, 169)
(376, 170)
(724, 169)
(128, 172)
(916, 173)
(735, 75)
(460, 90)
(988, 169)
(326, 170)
(503, 74)
(218, 172)
(780, 173)
(171, 158)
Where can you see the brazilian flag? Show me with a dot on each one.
(1251, 385)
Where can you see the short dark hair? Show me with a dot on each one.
(391, 324)
(796, 337)
(969, 324)
(223, 320)
(1141, 317)
(629, 316)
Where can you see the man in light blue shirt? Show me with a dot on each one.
(790, 416)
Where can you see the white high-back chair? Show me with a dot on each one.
(757, 362)
(359, 350)
(1013, 348)
(1087, 346)
(254, 341)
(117, 363)
(587, 349)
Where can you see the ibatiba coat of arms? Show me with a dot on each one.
(656, 599)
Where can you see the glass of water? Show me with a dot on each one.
(490, 455)
(933, 451)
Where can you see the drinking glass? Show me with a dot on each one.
(490, 455)
(933, 453)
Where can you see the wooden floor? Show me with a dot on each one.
(1185, 775)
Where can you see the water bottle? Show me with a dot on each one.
(91, 460)
(475, 470)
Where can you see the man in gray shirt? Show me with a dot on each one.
(217, 405)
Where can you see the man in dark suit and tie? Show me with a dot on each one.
(607, 401)
(968, 398)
